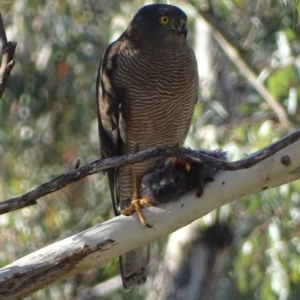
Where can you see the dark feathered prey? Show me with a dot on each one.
(147, 88)
(174, 177)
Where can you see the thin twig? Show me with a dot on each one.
(3, 38)
(104, 164)
(7, 62)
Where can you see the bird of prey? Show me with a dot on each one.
(147, 88)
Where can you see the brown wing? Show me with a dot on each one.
(111, 103)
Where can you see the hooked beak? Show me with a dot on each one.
(180, 28)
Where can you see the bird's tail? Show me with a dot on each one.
(133, 266)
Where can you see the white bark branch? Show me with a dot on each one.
(100, 244)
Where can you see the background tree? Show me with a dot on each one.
(48, 120)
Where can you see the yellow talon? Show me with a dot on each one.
(128, 211)
(136, 204)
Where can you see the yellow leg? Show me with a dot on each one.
(134, 187)
(136, 204)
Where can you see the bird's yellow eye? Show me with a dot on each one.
(164, 20)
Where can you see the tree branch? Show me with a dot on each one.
(238, 56)
(7, 62)
(104, 164)
(104, 242)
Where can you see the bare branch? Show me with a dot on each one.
(7, 62)
(101, 165)
(3, 37)
(102, 243)
(239, 58)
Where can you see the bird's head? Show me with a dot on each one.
(159, 24)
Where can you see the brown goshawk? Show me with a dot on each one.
(147, 88)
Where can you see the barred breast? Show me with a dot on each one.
(162, 88)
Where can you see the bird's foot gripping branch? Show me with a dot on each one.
(137, 205)
(170, 179)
